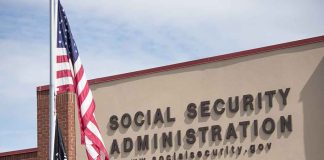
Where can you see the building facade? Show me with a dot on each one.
(264, 103)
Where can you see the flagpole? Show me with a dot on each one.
(53, 12)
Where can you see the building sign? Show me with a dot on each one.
(201, 134)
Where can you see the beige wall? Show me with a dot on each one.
(299, 68)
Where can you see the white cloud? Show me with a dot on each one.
(209, 26)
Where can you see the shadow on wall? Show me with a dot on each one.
(312, 97)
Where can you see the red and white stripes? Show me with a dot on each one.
(64, 75)
(69, 79)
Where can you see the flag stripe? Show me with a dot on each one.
(88, 115)
(81, 84)
(84, 93)
(63, 73)
(65, 88)
(62, 58)
(92, 152)
(61, 52)
(95, 139)
(77, 65)
(93, 128)
(85, 104)
(64, 81)
(79, 74)
(63, 66)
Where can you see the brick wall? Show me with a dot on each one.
(65, 105)
(26, 154)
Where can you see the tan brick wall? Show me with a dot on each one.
(65, 105)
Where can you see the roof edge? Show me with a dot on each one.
(23, 151)
(202, 61)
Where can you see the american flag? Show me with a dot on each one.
(71, 78)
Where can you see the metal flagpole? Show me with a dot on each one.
(52, 114)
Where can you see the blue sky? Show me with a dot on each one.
(119, 36)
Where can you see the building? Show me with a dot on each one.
(264, 103)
